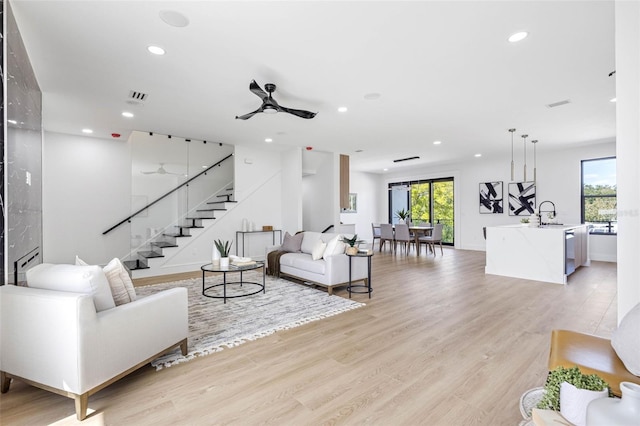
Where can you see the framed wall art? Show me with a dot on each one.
(522, 198)
(491, 198)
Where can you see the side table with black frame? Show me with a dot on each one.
(360, 288)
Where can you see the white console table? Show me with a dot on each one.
(245, 233)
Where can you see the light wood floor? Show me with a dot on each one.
(440, 343)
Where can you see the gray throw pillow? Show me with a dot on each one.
(626, 340)
(292, 243)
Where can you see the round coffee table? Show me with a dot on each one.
(232, 269)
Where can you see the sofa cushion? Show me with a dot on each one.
(626, 340)
(303, 262)
(309, 240)
(122, 289)
(292, 243)
(318, 250)
(75, 279)
(334, 246)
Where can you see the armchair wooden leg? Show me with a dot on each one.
(82, 403)
(5, 381)
(183, 347)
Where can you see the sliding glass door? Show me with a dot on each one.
(428, 201)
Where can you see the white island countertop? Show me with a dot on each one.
(536, 253)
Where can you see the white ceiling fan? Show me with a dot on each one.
(161, 171)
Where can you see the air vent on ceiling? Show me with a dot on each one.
(405, 159)
(559, 103)
(138, 96)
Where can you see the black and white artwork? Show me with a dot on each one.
(522, 198)
(491, 197)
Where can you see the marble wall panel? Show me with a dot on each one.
(23, 195)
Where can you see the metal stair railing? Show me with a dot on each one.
(185, 183)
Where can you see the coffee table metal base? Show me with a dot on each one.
(207, 268)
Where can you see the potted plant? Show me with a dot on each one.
(351, 242)
(570, 391)
(223, 247)
(403, 215)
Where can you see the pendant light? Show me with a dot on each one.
(524, 137)
(512, 166)
(534, 142)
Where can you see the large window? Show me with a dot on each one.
(428, 201)
(599, 195)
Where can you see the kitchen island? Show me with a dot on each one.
(548, 253)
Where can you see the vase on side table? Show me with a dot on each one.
(215, 256)
(224, 262)
(616, 411)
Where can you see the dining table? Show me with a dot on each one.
(418, 231)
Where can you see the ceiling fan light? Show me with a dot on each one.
(269, 110)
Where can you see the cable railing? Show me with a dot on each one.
(185, 183)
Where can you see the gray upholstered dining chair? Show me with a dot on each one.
(375, 230)
(435, 237)
(402, 236)
(386, 234)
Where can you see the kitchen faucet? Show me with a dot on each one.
(546, 211)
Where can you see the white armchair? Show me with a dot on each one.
(57, 341)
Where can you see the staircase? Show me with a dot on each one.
(175, 237)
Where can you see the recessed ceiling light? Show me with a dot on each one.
(12, 121)
(127, 114)
(342, 109)
(514, 38)
(156, 50)
(268, 140)
(613, 99)
(88, 131)
(478, 155)
(173, 18)
(372, 96)
(384, 170)
(437, 142)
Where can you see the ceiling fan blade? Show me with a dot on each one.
(148, 173)
(257, 90)
(298, 112)
(249, 115)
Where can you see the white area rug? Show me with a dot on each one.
(214, 325)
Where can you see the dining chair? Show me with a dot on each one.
(386, 234)
(435, 237)
(375, 230)
(402, 236)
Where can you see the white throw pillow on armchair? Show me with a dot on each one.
(122, 289)
(75, 279)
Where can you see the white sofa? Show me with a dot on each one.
(59, 341)
(329, 271)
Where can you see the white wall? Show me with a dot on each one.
(367, 188)
(319, 209)
(628, 152)
(292, 191)
(86, 190)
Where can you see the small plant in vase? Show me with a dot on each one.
(569, 391)
(351, 242)
(224, 248)
(403, 215)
